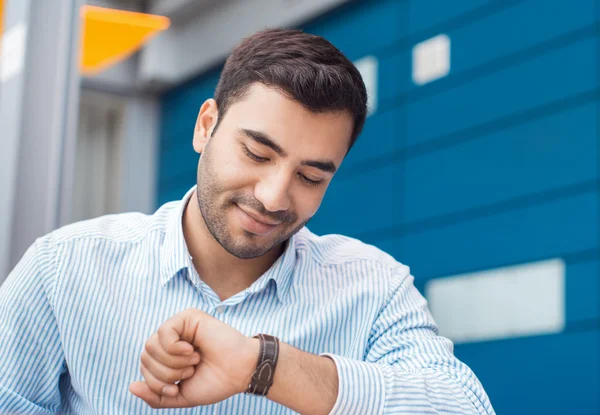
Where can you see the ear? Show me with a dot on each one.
(205, 124)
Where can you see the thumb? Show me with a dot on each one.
(143, 391)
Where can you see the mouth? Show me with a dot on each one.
(254, 223)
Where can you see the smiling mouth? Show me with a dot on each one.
(258, 219)
(253, 224)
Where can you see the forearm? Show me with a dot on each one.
(383, 388)
(310, 384)
(304, 382)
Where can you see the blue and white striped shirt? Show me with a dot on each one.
(76, 312)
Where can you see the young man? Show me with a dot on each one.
(176, 298)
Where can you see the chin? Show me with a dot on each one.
(248, 251)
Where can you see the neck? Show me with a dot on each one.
(224, 273)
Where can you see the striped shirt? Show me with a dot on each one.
(76, 312)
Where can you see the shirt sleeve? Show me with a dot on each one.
(31, 353)
(408, 368)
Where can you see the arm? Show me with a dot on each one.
(408, 368)
(304, 382)
(30, 350)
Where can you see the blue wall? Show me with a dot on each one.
(495, 164)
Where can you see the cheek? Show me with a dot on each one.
(307, 203)
(234, 173)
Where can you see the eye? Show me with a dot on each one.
(254, 156)
(309, 181)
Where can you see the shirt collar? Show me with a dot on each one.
(175, 256)
(281, 272)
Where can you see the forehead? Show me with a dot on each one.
(296, 129)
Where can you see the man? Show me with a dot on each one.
(176, 298)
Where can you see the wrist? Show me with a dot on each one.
(249, 360)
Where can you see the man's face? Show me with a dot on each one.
(263, 173)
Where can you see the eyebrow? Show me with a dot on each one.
(325, 165)
(265, 140)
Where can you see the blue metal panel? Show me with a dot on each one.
(531, 22)
(582, 293)
(486, 39)
(180, 109)
(360, 204)
(556, 151)
(363, 27)
(554, 76)
(427, 14)
(177, 123)
(174, 190)
(382, 134)
(550, 375)
(393, 247)
(394, 75)
(546, 230)
(180, 162)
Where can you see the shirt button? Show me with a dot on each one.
(220, 309)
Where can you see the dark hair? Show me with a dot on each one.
(307, 68)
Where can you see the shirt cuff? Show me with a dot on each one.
(361, 387)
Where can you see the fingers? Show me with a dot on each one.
(178, 334)
(165, 374)
(155, 400)
(168, 357)
(171, 333)
(157, 386)
(175, 361)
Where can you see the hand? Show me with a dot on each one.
(211, 359)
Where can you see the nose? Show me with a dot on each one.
(273, 192)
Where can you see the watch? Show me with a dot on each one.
(262, 378)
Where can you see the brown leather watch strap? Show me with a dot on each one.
(262, 378)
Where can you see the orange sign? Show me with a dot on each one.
(1, 16)
(111, 35)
